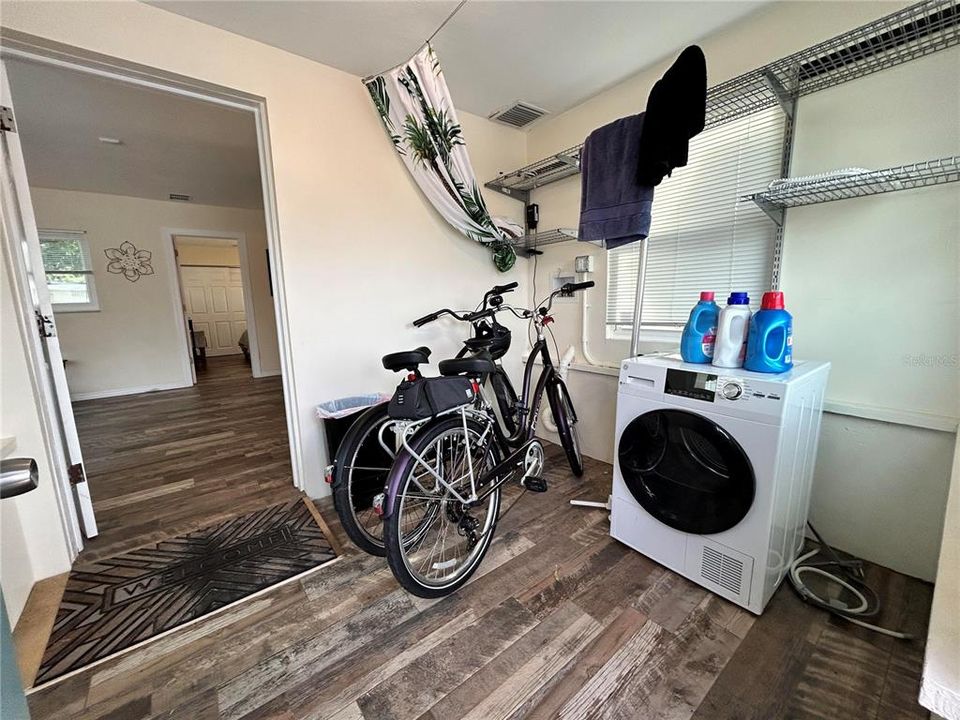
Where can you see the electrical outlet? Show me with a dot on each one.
(559, 280)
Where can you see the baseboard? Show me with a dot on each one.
(269, 373)
(116, 392)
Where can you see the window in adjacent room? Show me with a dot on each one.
(66, 262)
(702, 236)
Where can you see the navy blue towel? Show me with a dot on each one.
(614, 206)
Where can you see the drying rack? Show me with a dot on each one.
(829, 187)
(914, 32)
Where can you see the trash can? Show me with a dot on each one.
(338, 416)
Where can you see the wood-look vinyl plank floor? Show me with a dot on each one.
(167, 463)
(560, 622)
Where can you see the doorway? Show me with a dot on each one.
(150, 446)
(218, 311)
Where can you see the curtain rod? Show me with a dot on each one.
(425, 42)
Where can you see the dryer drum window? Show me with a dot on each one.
(686, 471)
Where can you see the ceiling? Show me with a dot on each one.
(170, 144)
(554, 53)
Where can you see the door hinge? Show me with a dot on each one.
(44, 325)
(76, 474)
(7, 123)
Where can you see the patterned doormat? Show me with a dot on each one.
(114, 604)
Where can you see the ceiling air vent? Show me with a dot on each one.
(518, 114)
(181, 197)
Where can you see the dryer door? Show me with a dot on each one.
(686, 471)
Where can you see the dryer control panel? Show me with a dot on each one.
(696, 385)
(757, 393)
(711, 387)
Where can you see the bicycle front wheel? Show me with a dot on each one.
(561, 406)
(434, 542)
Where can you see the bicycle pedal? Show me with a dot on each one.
(534, 484)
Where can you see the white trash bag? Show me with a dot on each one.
(343, 407)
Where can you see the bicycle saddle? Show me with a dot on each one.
(406, 360)
(477, 365)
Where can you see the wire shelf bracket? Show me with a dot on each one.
(786, 98)
(773, 211)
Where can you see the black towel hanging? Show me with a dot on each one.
(676, 112)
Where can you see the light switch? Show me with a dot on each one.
(583, 264)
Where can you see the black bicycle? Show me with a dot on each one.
(359, 470)
(442, 500)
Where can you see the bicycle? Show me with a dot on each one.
(442, 500)
(359, 469)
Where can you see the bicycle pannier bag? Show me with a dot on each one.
(425, 397)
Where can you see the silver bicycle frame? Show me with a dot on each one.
(410, 429)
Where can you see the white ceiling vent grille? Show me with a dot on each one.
(181, 197)
(722, 570)
(519, 114)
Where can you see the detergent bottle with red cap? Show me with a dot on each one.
(700, 332)
(770, 339)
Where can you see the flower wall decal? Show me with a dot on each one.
(129, 261)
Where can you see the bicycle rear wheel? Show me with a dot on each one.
(359, 474)
(566, 419)
(434, 543)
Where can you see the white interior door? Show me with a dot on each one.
(22, 243)
(214, 301)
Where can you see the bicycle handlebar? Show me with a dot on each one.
(462, 317)
(420, 322)
(469, 316)
(570, 288)
(565, 289)
(498, 290)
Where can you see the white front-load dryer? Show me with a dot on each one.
(713, 468)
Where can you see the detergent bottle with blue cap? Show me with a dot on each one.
(770, 340)
(731, 344)
(700, 332)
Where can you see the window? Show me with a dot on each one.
(66, 262)
(702, 237)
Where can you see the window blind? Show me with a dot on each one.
(702, 237)
(66, 262)
(64, 251)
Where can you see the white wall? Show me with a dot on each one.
(870, 255)
(363, 252)
(875, 286)
(32, 545)
(887, 265)
(133, 343)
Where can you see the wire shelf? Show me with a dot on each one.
(913, 32)
(543, 172)
(843, 185)
(534, 240)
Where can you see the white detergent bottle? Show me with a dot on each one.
(732, 327)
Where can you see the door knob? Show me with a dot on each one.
(17, 476)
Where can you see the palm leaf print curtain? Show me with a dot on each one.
(418, 114)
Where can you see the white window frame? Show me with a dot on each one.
(648, 332)
(80, 236)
